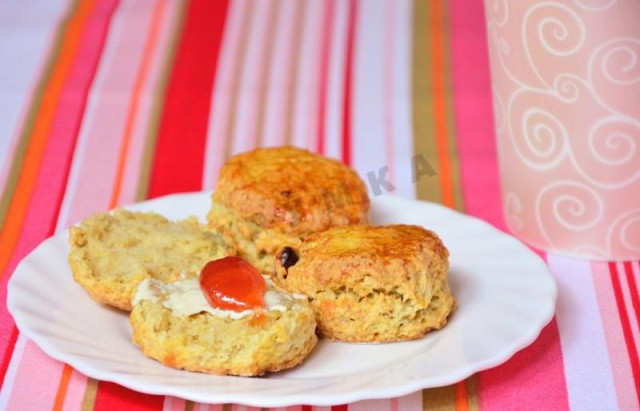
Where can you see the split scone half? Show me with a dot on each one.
(370, 284)
(176, 325)
(266, 198)
(112, 253)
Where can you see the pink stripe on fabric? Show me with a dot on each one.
(12, 370)
(630, 296)
(75, 391)
(410, 402)
(532, 376)
(323, 77)
(622, 375)
(368, 405)
(103, 127)
(634, 279)
(277, 97)
(305, 111)
(389, 41)
(252, 78)
(145, 103)
(173, 404)
(473, 111)
(221, 99)
(335, 82)
(36, 370)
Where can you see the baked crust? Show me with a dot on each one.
(370, 283)
(291, 189)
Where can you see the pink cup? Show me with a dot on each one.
(566, 94)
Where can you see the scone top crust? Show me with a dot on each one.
(363, 256)
(293, 189)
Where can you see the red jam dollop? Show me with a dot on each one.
(231, 283)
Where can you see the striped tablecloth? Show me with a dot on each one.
(109, 102)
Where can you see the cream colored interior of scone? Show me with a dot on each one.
(194, 336)
(112, 253)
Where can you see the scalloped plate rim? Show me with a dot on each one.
(136, 383)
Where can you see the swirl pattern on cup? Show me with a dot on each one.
(567, 109)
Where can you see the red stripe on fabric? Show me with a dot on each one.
(324, 74)
(348, 70)
(633, 290)
(632, 349)
(307, 407)
(112, 396)
(180, 147)
(42, 214)
(340, 408)
(6, 358)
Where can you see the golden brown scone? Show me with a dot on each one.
(369, 283)
(266, 198)
(112, 253)
(174, 324)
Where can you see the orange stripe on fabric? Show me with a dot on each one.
(33, 158)
(462, 403)
(156, 19)
(61, 393)
(436, 23)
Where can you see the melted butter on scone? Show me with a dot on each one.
(185, 298)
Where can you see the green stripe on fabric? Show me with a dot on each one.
(90, 392)
(450, 116)
(158, 102)
(424, 145)
(439, 399)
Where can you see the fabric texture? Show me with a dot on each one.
(109, 102)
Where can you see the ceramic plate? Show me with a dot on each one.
(505, 294)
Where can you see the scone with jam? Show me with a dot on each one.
(230, 321)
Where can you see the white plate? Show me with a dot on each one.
(505, 294)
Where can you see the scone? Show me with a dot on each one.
(112, 253)
(266, 198)
(368, 283)
(176, 325)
